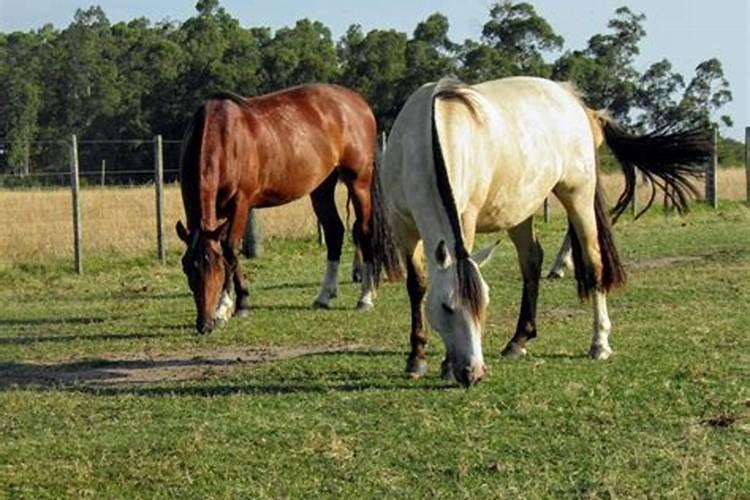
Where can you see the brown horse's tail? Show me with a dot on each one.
(667, 158)
(612, 271)
(385, 254)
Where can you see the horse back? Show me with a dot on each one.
(275, 148)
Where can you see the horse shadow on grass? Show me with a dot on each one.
(204, 375)
(33, 339)
(40, 322)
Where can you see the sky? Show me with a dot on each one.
(686, 32)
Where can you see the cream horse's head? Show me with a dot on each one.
(457, 301)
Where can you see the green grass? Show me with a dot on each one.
(668, 416)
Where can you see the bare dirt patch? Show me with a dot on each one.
(109, 371)
(660, 262)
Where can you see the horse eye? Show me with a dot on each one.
(447, 308)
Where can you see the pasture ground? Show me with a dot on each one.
(105, 391)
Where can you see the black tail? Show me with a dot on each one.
(612, 273)
(385, 254)
(668, 159)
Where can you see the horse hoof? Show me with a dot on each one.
(364, 306)
(320, 305)
(513, 351)
(556, 275)
(242, 313)
(416, 368)
(599, 352)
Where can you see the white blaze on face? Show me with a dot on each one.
(225, 308)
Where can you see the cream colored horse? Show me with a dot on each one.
(465, 159)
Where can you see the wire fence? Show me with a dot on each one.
(129, 200)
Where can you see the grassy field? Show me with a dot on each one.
(122, 220)
(106, 392)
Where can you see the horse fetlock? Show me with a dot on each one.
(365, 304)
(514, 350)
(600, 352)
(324, 298)
(556, 274)
(416, 367)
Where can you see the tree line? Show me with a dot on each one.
(135, 79)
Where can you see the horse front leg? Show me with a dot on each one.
(416, 364)
(232, 251)
(530, 257)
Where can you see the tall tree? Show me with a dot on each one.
(429, 55)
(514, 40)
(604, 71)
(20, 98)
(657, 96)
(706, 93)
(374, 64)
(85, 91)
(304, 53)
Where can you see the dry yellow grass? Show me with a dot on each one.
(38, 223)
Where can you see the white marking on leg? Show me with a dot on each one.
(600, 341)
(329, 290)
(367, 293)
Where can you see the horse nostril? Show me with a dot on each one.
(204, 326)
(470, 375)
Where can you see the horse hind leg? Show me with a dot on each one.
(598, 268)
(360, 192)
(324, 205)
(564, 259)
(530, 256)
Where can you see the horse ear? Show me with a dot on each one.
(441, 255)
(483, 256)
(182, 233)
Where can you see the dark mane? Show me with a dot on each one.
(226, 95)
(469, 281)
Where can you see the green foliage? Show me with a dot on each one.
(731, 153)
(135, 79)
(361, 55)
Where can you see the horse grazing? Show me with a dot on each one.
(239, 154)
(465, 159)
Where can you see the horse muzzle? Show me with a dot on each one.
(204, 325)
(470, 375)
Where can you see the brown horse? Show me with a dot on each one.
(265, 151)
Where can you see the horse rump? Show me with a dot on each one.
(612, 273)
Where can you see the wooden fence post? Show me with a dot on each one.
(712, 197)
(75, 188)
(747, 163)
(252, 245)
(161, 250)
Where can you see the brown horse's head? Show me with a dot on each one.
(207, 271)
